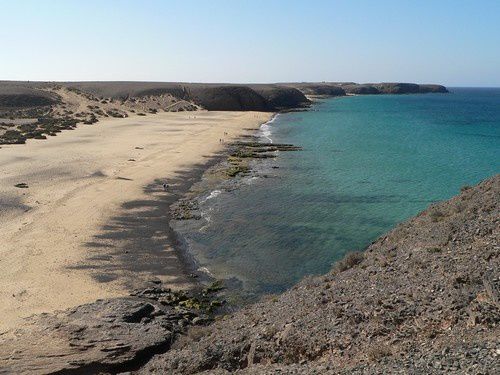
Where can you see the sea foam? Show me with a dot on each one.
(265, 129)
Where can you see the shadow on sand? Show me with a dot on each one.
(138, 244)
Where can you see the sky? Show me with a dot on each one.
(452, 42)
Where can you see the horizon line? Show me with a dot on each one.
(251, 83)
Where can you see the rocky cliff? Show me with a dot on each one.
(392, 88)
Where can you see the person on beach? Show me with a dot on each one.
(165, 186)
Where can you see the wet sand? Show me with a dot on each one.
(93, 222)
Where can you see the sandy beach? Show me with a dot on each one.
(92, 222)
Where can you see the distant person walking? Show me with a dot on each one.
(165, 186)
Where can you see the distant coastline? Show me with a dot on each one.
(41, 109)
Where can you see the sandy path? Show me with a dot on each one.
(93, 207)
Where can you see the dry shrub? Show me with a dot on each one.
(350, 260)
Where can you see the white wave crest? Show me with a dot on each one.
(265, 129)
(212, 195)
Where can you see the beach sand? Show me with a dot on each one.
(93, 222)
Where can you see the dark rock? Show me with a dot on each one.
(432, 88)
(280, 98)
(107, 336)
(391, 88)
(137, 314)
(103, 336)
(228, 98)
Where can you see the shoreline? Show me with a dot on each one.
(188, 260)
(213, 183)
(107, 270)
(198, 177)
(79, 335)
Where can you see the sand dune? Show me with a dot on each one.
(92, 222)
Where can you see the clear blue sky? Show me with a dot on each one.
(453, 42)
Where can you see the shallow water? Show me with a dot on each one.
(369, 162)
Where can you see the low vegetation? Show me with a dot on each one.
(350, 260)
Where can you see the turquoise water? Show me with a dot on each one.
(369, 162)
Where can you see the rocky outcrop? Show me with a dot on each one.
(423, 298)
(397, 88)
(229, 98)
(107, 336)
(343, 88)
(432, 88)
(280, 97)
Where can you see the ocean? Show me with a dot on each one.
(367, 164)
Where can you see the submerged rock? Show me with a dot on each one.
(185, 209)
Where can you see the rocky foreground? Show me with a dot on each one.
(425, 298)
(107, 336)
